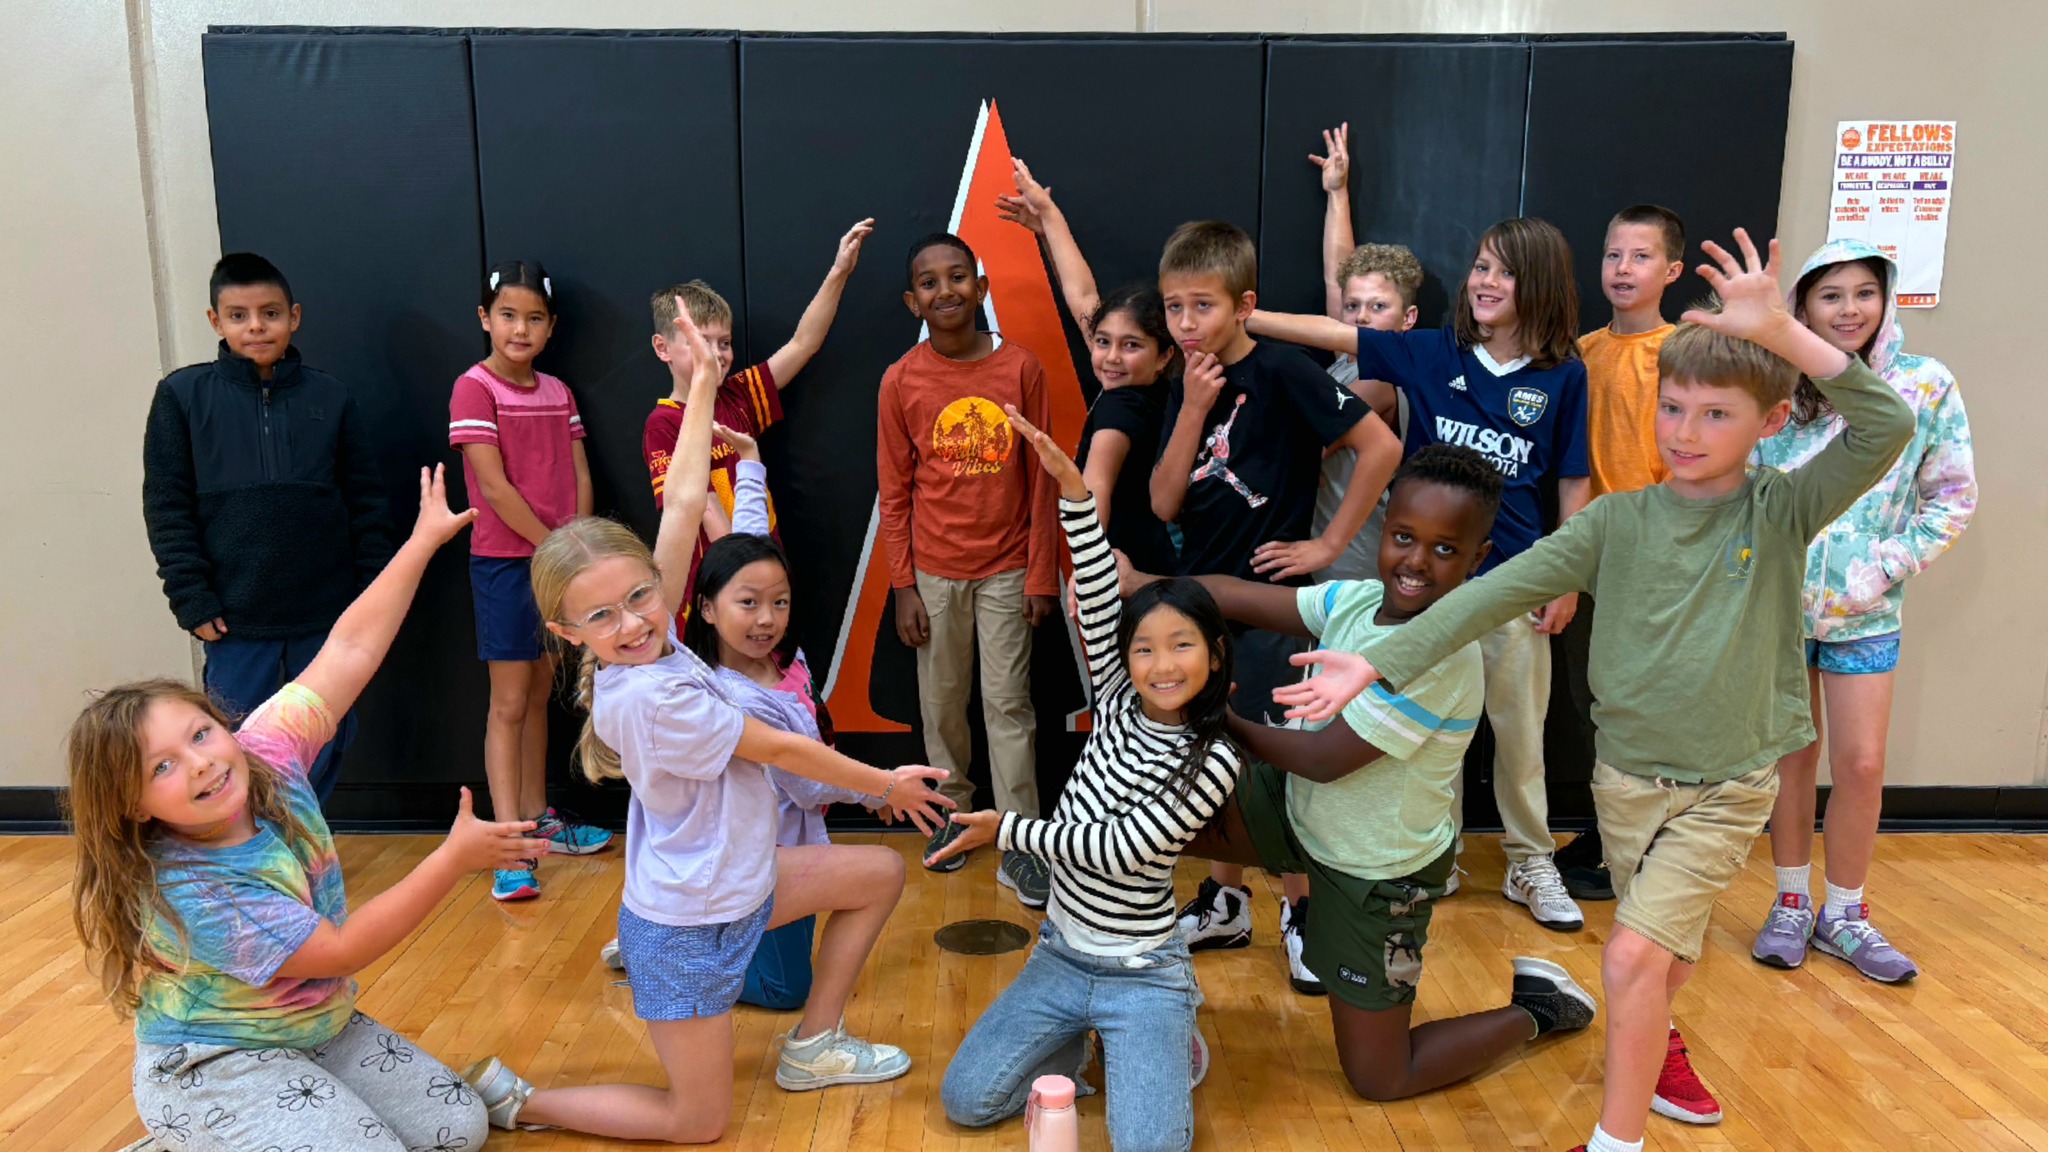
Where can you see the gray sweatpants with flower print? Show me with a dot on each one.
(368, 1088)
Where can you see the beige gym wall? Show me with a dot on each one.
(108, 193)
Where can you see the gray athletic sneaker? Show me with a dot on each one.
(1025, 874)
(1852, 937)
(1782, 943)
(503, 1092)
(835, 1057)
(1547, 992)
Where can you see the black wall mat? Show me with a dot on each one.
(891, 142)
(1607, 129)
(350, 161)
(1436, 148)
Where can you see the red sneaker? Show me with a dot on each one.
(1680, 1095)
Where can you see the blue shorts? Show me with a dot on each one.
(507, 621)
(690, 973)
(1863, 657)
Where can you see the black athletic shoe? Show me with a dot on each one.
(947, 833)
(1217, 917)
(1025, 874)
(1582, 865)
(1548, 993)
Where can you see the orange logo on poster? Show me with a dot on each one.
(1851, 139)
(974, 436)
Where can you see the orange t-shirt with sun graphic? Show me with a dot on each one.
(961, 495)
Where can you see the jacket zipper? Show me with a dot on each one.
(269, 449)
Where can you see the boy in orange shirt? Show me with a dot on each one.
(971, 530)
(1644, 254)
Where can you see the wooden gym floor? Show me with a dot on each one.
(1816, 1059)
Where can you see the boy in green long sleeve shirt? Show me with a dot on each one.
(1696, 654)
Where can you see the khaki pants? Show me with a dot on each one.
(992, 610)
(1517, 660)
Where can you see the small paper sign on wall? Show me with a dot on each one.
(1893, 180)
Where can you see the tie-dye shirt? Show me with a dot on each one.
(248, 907)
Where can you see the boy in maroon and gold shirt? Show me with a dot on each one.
(970, 525)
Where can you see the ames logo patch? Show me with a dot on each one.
(1526, 405)
(1358, 978)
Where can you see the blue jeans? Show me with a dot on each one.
(241, 674)
(1143, 1007)
(779, 976)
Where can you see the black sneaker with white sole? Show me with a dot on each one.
(947, 833)
(1025, 874)
(1217, 917)
(1582, 865)
(1293, 922)
(1549, 995)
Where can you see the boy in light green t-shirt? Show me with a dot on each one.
(1698, 666)
(1364, 807)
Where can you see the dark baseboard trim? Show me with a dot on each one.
(412, 807)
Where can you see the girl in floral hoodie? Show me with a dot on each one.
(1856, 574)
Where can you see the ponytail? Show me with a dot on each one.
(600, 762)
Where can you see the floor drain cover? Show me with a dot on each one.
(982, 937)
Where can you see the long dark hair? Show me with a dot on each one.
(1808, 404)
(1546, 297)
(1205, 715)
(1142, 304)
(723, 561)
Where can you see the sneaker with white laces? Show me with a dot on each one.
(1293, 921)
(1451, 885)
(610, 955)
(503, 1092)
(1786, 932)
(1852, 937)
(1218, 917)
(836, 1057)
(1535, 884)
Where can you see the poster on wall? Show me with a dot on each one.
(1893, 180)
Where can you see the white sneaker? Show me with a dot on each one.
(610, 955)
(1294, 918)
(1217, 917)
(1535, 884)
(1451, 885)
(836, 1057)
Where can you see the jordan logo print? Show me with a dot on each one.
(1217, 450)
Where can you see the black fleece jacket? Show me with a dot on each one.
(264, 500)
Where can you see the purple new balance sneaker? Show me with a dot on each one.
(1782, 943)
(1852, 937)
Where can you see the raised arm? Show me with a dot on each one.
(357, 643)
(1033, 207)
(688, 486)
(816, 321)
(1095, 575)
(1337, 236)
(750, 483)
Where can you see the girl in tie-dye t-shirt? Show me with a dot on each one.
(211, 903)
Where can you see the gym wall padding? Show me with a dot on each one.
(350, 161)
(383, 169)
(1436, 147)
(836, 130)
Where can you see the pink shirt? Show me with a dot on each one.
(532, 429)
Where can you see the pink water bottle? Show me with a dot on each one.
(1050, 1119)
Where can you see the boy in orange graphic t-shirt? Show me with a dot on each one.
(969, 524)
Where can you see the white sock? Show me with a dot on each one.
(1840, 900)
(1602, 1142)
(1797, 880)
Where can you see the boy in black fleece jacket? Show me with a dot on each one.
(263, 498)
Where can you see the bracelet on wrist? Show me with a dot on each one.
(884, 797)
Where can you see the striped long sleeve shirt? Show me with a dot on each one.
(1119, 827)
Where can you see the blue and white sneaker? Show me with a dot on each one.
(835, 1057)
(567, 834)
(516, 883)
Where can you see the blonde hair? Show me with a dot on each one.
(1696, 354)
(706, 307)
(564, 555)
(1393, 261)
(114, 891)
(1212, 248)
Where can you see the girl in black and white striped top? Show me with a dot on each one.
(1157, 766)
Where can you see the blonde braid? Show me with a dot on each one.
(600, 762)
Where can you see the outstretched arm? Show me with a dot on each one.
(816, 321)
(1311, 331)
(1337, 236)
(358, 641)
(1276, 609)
(1329, 753)
(688, 486)
(906, 791)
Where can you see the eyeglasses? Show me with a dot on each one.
(642, 602)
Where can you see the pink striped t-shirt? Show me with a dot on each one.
(532, 429)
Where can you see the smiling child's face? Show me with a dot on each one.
(1434, 540)
(195, 774)
(945, 291)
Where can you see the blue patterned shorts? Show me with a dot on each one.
(689, 973)
(1855, 657)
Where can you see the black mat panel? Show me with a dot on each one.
(350, 161)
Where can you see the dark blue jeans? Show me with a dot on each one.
(779, 977)
(242, 674)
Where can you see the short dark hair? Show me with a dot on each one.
(1454, 466)
(245, 270)
(937, 240)
(1212, 248)
(1664, 219)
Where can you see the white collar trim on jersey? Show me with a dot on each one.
(1487, 361)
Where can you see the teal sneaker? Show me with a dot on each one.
(516, 883)
(566, 833)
